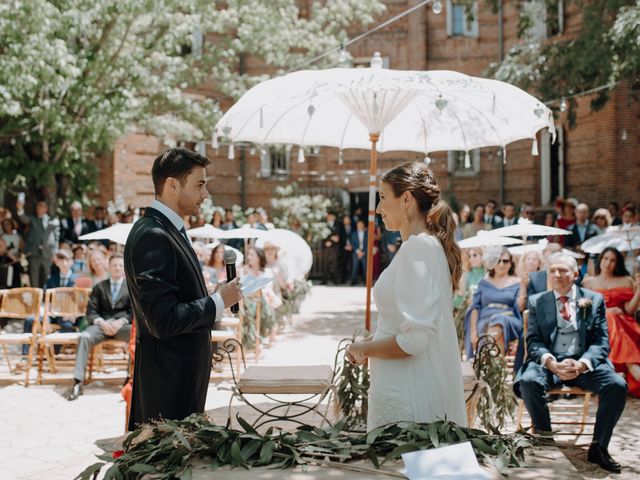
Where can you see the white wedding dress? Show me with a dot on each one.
(415, 304)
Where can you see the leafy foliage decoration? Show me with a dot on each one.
(168, 449)
(499, 401)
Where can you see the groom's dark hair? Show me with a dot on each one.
(175, 163)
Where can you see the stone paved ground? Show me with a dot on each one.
(46, 437)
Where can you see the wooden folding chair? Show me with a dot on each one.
(60, 302)
(108, 353)
(563, 409)
(229, 328)
(20, 304)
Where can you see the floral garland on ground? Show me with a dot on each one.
(167, 450)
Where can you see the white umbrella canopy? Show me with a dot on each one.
(621, 239)
(210, 232)
(539, 247)
(487, 239)
(118, 233)
(294, 251)
(526, 228)
(412, 110)
(384, 110)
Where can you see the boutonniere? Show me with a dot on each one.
(584, 304)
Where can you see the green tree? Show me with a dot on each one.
(606, 50)
(77, 74)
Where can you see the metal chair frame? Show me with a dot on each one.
(280, 411)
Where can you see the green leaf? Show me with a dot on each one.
(433, 434)
(244, 424)
(87, 473)
(236, 456)
(183, 440)
(266, 452)
(250, 448)
(142, 468)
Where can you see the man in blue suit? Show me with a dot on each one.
(568, 343)
(359, 255)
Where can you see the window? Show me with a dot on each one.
(275, 161)
(542, 19)
(462, 19)
(458, 164)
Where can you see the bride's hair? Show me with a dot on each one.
(417, 178)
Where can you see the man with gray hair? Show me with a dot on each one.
(582, 230)
(568, 343)
(75, 226)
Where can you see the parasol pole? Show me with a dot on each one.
(373, 168)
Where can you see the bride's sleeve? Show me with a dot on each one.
(417, 294)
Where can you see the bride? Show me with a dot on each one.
(414, 355)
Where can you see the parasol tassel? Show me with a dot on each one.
(232, 153)
(300, 155)
(214, 140)
(467, 160)
(534, 148)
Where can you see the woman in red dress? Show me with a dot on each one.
(622, 296)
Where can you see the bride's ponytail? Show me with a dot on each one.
(441, 223)
(416, 178)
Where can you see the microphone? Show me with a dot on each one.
(230, 263)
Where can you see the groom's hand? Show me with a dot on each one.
(230, 292)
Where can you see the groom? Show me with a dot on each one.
(567, 342)
(174, 313)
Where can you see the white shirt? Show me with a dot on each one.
(177, 222)
(572, 294)
(361, 239)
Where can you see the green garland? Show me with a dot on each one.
(168, 449)
(499, 403)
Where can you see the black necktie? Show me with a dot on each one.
(184, 234)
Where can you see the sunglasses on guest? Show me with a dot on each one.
(505, 261)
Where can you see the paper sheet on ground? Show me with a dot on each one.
(251, 284)
(451, 462)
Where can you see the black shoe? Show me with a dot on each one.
(601, 457)
(75, 392)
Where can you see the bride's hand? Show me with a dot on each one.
(355, 354)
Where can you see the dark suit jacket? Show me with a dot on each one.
(574, 241)
(68, 231)
(542, 329)
(54, 281)
(174, 317)
(496, 221)
(355, 242)
(537, 282)
(41, 241)
(100, 303)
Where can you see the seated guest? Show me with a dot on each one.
(496, 304)
(63, 278)
(12, 237)
(463, 219)
(538, 280)
(10, 269)
(109, 314)
(98, 266)
(473, 273)
(216, 263)
(472, 228)
(622, 297)
(567, 343)
(79, 259)
(490, 215)
(530, 262)
(509, 210)
(582, 230)
(601, 220)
